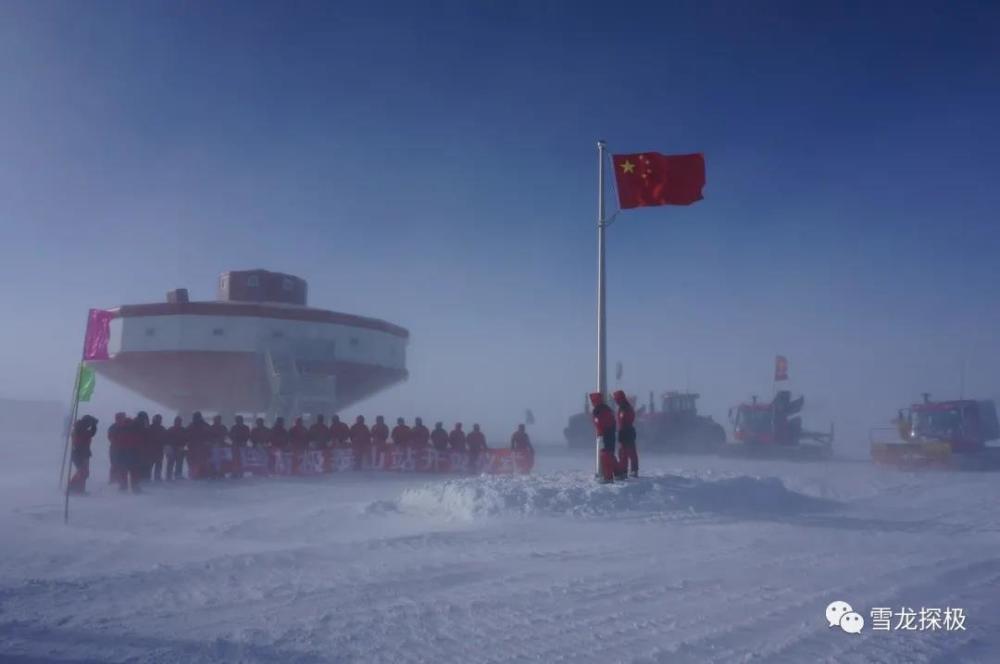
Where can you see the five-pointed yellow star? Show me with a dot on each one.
(628, 166)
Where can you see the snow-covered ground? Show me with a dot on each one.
(702, 560)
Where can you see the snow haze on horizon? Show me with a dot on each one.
(435, 167)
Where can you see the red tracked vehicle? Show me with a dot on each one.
(773, 430)
(948, 435)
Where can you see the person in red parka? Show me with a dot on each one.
(604, 423)
(239, 434)
(420, 435)
(340, 433)
(278, 442)
(157, 446)
(260, 434)
(83, 433)
(380, 439)
(519, 440)
(135, 443)
(456, 439)
(218, 433)
(439, 437)
(115, 434)
(279, 435)
(298, 442)
(199, 439)
(319, 434)
(380, 430)
(476, 442)
(627, 454)
(260, 438)
(174, 449)
(400, 434)
(298, 436)
(361, 442)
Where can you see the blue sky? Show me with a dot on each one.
(433, 164)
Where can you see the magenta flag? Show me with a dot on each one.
(95, 344)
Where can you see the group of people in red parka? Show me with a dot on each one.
(142, 449)
(609, 423)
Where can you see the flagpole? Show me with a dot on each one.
(69, 438)
(72, 417)
(602, 342)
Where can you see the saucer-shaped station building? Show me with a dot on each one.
(257, 348)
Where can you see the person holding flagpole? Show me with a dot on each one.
(604, 424)
(84, 431)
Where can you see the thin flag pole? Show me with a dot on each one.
(69, 438)
(69, 433)
(602, 341)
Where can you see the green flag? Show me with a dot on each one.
(87, 380)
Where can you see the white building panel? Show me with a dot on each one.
(247, 334)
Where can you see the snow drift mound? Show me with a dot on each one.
(578, 494)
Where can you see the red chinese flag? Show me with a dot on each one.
(651, 178)
(780, 368)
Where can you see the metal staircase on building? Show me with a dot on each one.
(295, 392)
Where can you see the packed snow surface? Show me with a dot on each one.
(701, 560)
